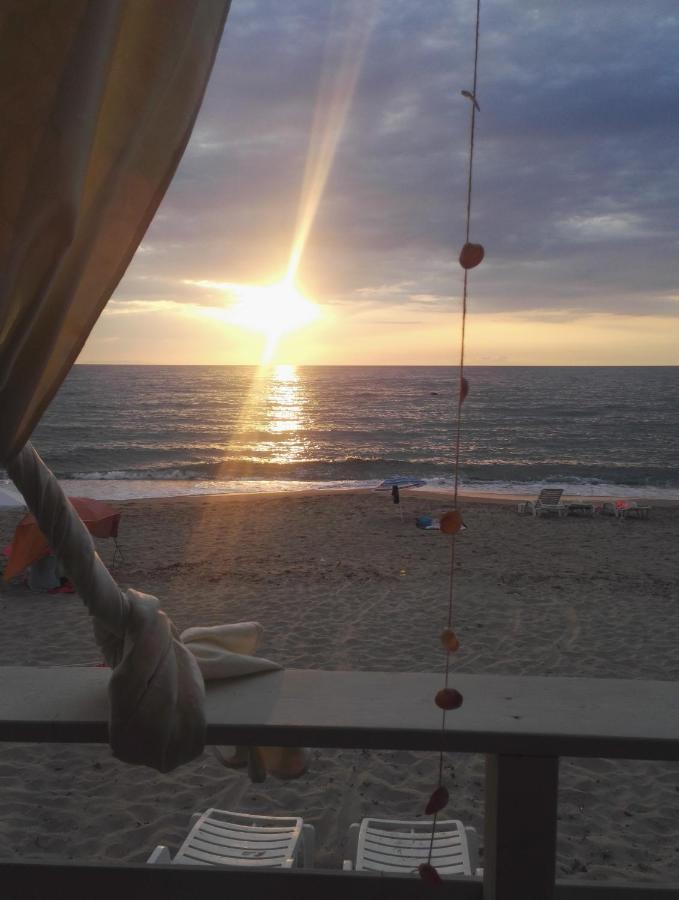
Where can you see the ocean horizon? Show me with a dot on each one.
(125, 431)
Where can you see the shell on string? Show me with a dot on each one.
(471, 255)
(437, 801)
(470, 96)
(429, 875)
(448, 698)
(450, 640)
(451, 522)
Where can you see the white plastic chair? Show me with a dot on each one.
(387, 845)
(221, 838)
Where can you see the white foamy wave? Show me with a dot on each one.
(573, 488)
(136, 475)
(140, 489)
(105, 486)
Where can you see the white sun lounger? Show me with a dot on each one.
(386, 845)
(634, 511)
(548, 503)
(622, 509)
(221, 838)
(581, 508)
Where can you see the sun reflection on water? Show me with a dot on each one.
(285, 411)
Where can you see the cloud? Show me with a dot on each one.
(610, 227)
(575, 189)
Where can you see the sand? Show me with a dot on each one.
(340, 581)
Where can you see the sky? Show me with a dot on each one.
(330, 156)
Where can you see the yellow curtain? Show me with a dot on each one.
(97, 102)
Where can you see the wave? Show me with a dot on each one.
(356, 468)
(138, 489)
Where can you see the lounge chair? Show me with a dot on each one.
(581, 508)
(221, 838)
(548, 503)
(634, 511)
(387, 845)
(624, 509)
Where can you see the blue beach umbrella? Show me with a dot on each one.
(394, 484)
(400, 481)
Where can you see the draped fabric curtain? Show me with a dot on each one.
(97, 102)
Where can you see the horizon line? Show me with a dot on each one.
(388, 365)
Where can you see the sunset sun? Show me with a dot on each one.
(273, 310)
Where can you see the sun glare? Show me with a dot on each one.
(273, 310)
(276, 308)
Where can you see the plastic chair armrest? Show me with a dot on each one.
(159, 857)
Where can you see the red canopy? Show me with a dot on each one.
(30, 544)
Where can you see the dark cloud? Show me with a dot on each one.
(576, 188)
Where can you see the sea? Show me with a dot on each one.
(120, 432)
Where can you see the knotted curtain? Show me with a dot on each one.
(97, 102)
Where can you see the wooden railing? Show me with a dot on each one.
(522, 724)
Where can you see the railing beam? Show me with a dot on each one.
(520, 827)
(38, 881)
(85, 881)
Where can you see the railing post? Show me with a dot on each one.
(520, 846)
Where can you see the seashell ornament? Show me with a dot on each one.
(429, 875)
(449, 640)
(451, 522)
(437, 801)
(471, 255)
(448, 698)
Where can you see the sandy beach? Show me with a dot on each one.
(341, 581)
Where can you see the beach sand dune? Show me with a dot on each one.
(339, 581)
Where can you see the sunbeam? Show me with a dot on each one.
(348, 36)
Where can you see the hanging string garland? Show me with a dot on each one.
(448, 698)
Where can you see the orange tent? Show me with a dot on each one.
(30, 544)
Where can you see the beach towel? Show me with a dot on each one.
(225, 651)
(426, 523)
